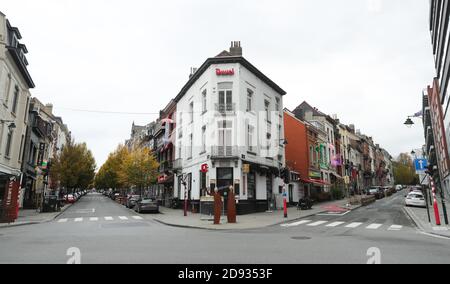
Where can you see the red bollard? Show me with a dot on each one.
(285, 207)
(435, 204)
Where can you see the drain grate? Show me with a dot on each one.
(301, 238)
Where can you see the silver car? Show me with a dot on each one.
(147, 205)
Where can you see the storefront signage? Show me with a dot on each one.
(205, 168)
(229, 72)
(246, 168)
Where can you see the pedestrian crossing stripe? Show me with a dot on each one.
(297, 223)
(374, 226)
(395, 228)
(96, 219)
(353, 225)
(317, 223)
(335, 224)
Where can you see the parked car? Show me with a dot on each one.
(399, 188)
(132, 200)
(377, 191)
(147, 205)
(114, 196)
(415, 198)
(388, 191)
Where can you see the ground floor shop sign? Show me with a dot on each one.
(10, 202)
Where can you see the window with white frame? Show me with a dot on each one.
(277, 105)
(191, 112)
(203, 139)
(250, 135)
(191, 145)
(267, 109)
(204, 93)
(249, 100)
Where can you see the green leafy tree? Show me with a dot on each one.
(404, 170)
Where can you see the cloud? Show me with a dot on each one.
(366, 61)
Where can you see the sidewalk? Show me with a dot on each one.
(175, 218)
(31, 217)
(420, 217)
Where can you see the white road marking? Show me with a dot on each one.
(354, 225)
(79, 220)
(123, 218)
(440, 229)
(297, 223)
(138, 218)
(109, 218)
(62, 220)
(335, 224)
(374, 227)
(395, 228)
(93, 219)
(317, 223)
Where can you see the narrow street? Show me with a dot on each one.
(106, 232)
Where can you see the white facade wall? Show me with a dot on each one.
(241, 81)
(10, 78)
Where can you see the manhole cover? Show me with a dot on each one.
(301, 238)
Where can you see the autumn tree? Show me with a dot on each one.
(74, 168)
(111, 174)
(404, 171)
(140, 169)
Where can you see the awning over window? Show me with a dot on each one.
(316, 181)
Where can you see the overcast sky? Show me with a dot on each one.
(365, 60)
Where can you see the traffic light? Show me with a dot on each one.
(286, 175)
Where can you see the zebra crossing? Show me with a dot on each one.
(340, 224)
(99, 219)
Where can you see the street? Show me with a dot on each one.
(106, 232)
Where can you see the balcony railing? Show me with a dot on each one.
(226, 108)
(166, 166)
(224, 152)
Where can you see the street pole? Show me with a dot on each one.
(435, 204)
(444, 208)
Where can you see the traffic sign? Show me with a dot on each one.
(421, 165)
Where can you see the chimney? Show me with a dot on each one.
(236, 49)
(358, 132)
(193, 71)
(49, 108)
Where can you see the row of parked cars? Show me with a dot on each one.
(74, 197)
(135, 202)
(381, 192)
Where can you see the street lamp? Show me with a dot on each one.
(409, 123)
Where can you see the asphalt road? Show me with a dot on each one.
(106, 232)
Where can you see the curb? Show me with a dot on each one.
(37, 222)
(419, 226)
(242, 229)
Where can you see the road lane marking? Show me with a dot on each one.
(63, 220)
(354, 225)
(317, 223)
(109, 218)
(123, 218)
(374, 226)
(137, 218)
(78, 219)
(93, 219)
(335, 224)
(297, 223)
(395, 228)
